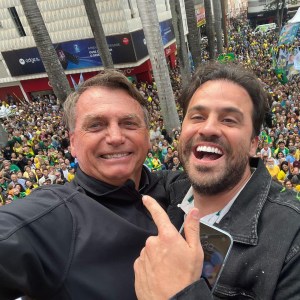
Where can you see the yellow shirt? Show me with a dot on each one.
(273, 171)
(297, 154)
(281, 175)
(70, 177)
(36, 162)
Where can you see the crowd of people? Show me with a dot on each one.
(119, 219)
(38, 148)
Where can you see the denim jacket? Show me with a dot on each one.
(264, 262)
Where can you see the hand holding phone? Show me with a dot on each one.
(216, 244)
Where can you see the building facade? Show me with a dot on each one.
(22, 73)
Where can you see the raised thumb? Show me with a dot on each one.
(192, 228)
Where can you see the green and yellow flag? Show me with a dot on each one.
(226, 57)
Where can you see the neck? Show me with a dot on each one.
(208, 204)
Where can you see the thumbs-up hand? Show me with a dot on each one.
(168, 263)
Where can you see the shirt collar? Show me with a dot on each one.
(188, 203)
(101, 188)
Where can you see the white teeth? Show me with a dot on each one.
(209, 149)
(116, 155)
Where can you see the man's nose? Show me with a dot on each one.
(210, 127)
(115, 135)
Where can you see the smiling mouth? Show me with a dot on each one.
(115, 155)
(208, 153)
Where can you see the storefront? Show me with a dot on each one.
(80, 56)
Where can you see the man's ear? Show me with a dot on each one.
(253, 146)
(73, 152)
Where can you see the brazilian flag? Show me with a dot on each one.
(281, 75)
(266, 138)
(226, 57)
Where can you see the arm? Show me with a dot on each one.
(30, 260)
(170, 265)
(288, 283)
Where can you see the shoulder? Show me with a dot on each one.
(288, 201)
(40, 204)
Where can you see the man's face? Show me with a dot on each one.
(110, 139)
(38, 173)
(14, 178)
(217, 137)
(270, 163)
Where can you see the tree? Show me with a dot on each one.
(281, 15)
(194, 38)
(149, 18)
(182, 54)
(3, 136)
(224, 23)
(98, 32)
(53, 67)
(218, 27)
(209, 29)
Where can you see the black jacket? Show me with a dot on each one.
(79, 240)
(264, 262)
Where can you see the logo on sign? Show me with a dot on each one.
(31, 60)
(125, 41)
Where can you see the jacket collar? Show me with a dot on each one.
(242, 218)
(101, 188)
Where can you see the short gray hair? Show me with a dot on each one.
(109, 78)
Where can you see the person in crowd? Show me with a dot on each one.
(284, 171)
(59, 179)
(294, 173)
(218, 137)
(287, 185)
(266, 151)
(152, 162)
(3, 196)
(71, 174)
(3, 182)
(108, 124)
(16, 180)
(30, 186)
(272, 167)
(279, 158)
(281, 147)
(290, 158)
(64, 170)
(44, 177)
(168, 157)
(175, 165)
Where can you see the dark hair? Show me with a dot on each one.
(283, 163)
(236, 74)
(277, 156)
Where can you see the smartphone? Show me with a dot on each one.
(216, 244)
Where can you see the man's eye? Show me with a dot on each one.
(130, 124)
(229, 121)
(197, 117)
(94, 126)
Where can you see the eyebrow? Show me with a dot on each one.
(92, 117)
(223, 110)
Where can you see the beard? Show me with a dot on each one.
(206, 181)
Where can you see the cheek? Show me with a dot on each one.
(187, 132)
